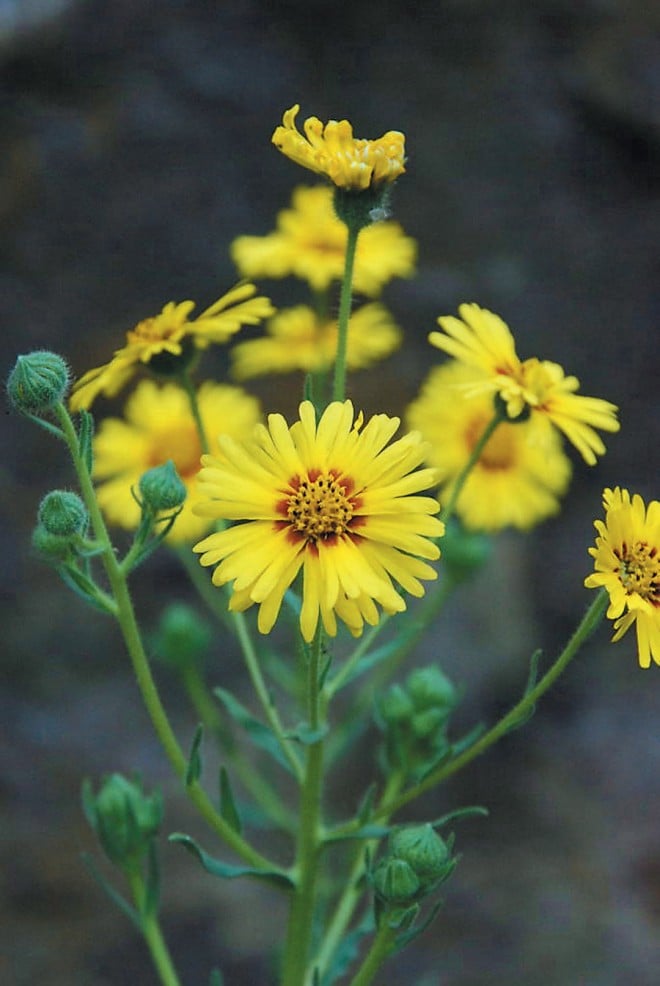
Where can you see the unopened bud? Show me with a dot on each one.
(162, 488)
(38, 382)
(63, 513)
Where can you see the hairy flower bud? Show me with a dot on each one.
(425, 852)
(51, 547)
(38, 382)
(183, 637)
(63, 513)
(124, 818)
(429, 688)
(162, 488)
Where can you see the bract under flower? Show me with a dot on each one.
(327, 498)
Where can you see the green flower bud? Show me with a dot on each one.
(424, 725)
(38, 382)
(51, 547)
(395, 706)
(183, 637)
(464, 553)
(162, 488)
(63, 513)
(124, 819)
(427, 854)
(361, 207)
(395, 881)
(429, 688)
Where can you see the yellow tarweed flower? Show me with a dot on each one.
(522, 471)
(167, 334)
(159, 426)
(331, 149)
(482, 340)
(310, 243)
(627, 564)
(331, 498)
(297, 340)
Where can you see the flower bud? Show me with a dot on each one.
(38, 382)
(396, 706)
(63, 514)
(124, 818)
(464, 553)
(162, 488)
(429, 688)
(425, 852)
(395, 881)
(51, 547)
(183, 637)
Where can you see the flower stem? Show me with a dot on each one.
(153, 935)
(462, 477)
(517, 714)
(191, 393)
(133, 640)
(381, 947)
(301, 916)
(339, 382)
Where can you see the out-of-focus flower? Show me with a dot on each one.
(158, 427)
(483, 341)
(297, 340)
(521, 472)
(330, 498)
(627, 563)
(310, 243)
(331, 149)
(170, 339)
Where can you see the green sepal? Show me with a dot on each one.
(400, 917)
(146, 541)
(408, 936)
(113, 894)
(226, 871)
(85, 440)
(194, 768)
(228, 808)
(151, 901)
(86, 588)
(260, 734)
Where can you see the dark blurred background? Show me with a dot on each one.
(135, 147)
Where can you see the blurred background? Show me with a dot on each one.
(135, 147)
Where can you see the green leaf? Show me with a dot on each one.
(408, 936)
(465, 742)
(308, 737)
(228, 808)
(348, 951)
(226, 871)
(372, 831)
(471, 811)
(113, 894)
(85, 440)
(194, 768)
(84, 587)
(88, 802)
(260, 734)
(365, 808)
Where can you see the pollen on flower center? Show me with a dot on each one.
(640, 571)
(152, 330)
(319, 508)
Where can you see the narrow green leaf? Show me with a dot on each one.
(465, 742)
(364, 832)
(471, 811)
(348, 950)
(84, 587)
(228, 808)
(88, 802)
(152, 888)
(85, 439)
(260, 734)
(113, 894)
(217, 867)
(408, 936)
(308, 737)
(365, 808)
(194, 768)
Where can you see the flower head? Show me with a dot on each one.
(159, 427)
(297, 340)
(627, 563)
(483, 341)
(310, 243)
(330, 498)
(521, 472)
(331, 149)
(170, 336)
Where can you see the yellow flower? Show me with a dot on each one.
(331, 498)
(522, 471)
(482, 340)
(169, 335)
(331, 149)
(159, 426)
(297, 340)
(310, 243)
(627, 564)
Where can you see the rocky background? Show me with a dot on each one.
(135, 147)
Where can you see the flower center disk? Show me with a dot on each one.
(640, 572)
(319, 508)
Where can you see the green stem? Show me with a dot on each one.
(191, 392)
(301, 915)
(339, 382)
(153, 935)
(518, 713)
(133, 640)
(461, 479)
(381, 947)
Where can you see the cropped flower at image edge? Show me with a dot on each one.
(627, 564)
(331, 498)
